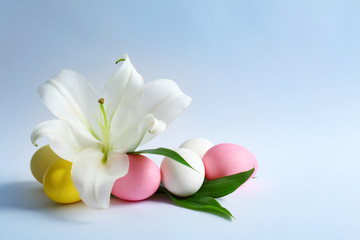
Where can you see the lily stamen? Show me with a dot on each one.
(105, 129)
(101, 100)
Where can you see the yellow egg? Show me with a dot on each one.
(41, 160)
(58, 185)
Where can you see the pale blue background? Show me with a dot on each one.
(281, 78)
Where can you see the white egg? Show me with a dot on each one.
(198, 145)
(179, 179)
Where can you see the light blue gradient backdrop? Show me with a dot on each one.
(278, 77)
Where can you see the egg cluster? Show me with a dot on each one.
(144, 176)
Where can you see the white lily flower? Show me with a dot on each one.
(95, 134)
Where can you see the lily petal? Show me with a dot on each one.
(122, 85)
(94, 179)
(137, 122)
(165, 109)
(164, 99)
(130, 139)
(70, 97)
(64, 140)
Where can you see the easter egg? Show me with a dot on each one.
(141, 181)
(199, 145)
(227, 159)
(179, 179)
(58, 185)
(40, 162)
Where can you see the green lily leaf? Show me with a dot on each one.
(165, 152)
(204, 199)
(223, 186)
(204, 204)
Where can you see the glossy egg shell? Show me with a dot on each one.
(198, 145)
(58, 185)
(227, 159)
(41, 160)
(179, 179)
(141, 181)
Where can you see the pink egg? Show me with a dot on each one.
(227, 159)
(141, 181)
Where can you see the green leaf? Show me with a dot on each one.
(204, 199)
(165, 152)
(223, 186)
(204, 204)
